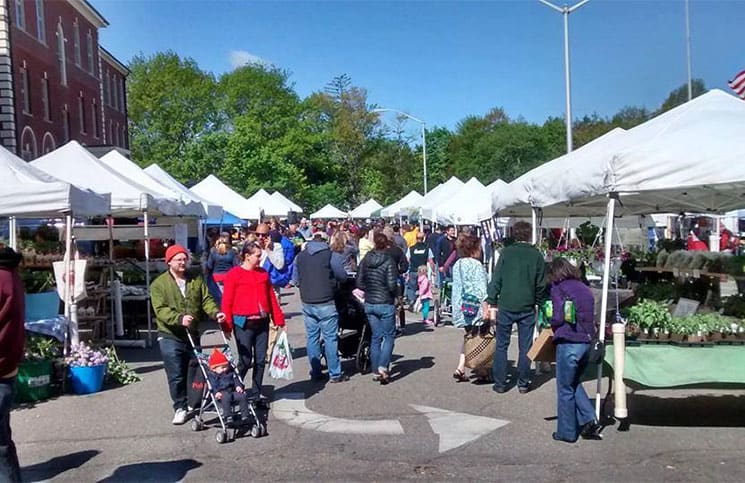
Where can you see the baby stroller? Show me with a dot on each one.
(444, 302)
(210, 415)
(354, 333)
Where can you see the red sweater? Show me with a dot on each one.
(249, 293)
(12, 318)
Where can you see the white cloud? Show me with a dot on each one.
(239, 58)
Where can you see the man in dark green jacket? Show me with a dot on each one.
(517, 286)
(180, 301)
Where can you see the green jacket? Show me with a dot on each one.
(518, 283)
(170, 306)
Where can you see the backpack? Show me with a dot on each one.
(280, 278)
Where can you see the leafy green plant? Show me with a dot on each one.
(734, 305)
(117, 369)
(37, 281)
(650, 314)
(660, 291)
(587, 232)
(38, 347)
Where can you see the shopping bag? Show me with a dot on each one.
(273, 331)
(479, 346)
(280, 366)
(543, 348)
(418, 304)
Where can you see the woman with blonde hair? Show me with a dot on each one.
(221, 259)
(343, 249)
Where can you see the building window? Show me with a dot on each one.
(61, 57)
(41, 27)
(107, 93)
(81, 112)
(20, 15)
(25, 93)
(90, 51)
(122, 86)
(66, 123)
(45, 98)
(76, 40)
(110, 138)
(94, 119)
(114, 93)
(123, 138)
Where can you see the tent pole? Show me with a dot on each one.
(147, 278)
(112, 326)
(68, 280)
(604, 300)
(13, 233)
(534, 235)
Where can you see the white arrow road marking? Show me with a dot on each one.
(292, 410)
(456, 429)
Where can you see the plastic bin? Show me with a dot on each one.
(87, 380)
(33, 380)
(41, 306)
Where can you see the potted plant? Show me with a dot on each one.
(34, 378)
(87, 368)
(42, 301)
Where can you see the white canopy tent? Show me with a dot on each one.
(366, 209)
(213, 210)
(76, 165)
(269, 205)
(412, 201)
(328, 211)
(469, 205)
(438, 196)
(293, 206)
(127, 168)
(214, 190)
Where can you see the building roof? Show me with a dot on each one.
(90, 13)
(113, 61)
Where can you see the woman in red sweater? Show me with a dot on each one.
(248, 302)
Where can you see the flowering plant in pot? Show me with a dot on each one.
(87, 368)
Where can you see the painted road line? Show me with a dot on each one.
(456, 429)
(290, 408)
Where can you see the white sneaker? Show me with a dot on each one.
(180, 416)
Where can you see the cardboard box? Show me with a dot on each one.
(543, 348)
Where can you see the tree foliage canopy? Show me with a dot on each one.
(251, 129)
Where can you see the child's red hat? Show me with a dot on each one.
(217, 358)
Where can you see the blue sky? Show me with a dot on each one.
(442, 61)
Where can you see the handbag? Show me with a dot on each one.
(596, 353)
(479, 346)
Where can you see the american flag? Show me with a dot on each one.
(738, 84)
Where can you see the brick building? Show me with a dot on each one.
(56, 82)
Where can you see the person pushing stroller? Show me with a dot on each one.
(227, 387)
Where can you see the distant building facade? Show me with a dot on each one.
(56, 82)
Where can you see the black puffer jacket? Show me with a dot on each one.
(376, 275)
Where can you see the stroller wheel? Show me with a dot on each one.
(363, 356)
(196, 424)
(255, 431)
(221, 436)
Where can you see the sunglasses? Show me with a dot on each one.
(262, 235)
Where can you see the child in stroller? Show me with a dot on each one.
(223, 386)
(227, 386)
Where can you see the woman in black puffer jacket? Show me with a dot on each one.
(376, 276)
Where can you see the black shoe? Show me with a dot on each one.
(336, 380)
(591, 430)
(499, 389)
(556, 437)
(321, 378)
(523, 389)
(399, 332)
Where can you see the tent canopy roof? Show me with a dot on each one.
(366, 209)
(329, 211)
(271, 206)
(411, 200)
(293, 206)
(214, 190)
(214, 211)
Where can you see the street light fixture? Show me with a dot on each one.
(565, 11)
(424, 138)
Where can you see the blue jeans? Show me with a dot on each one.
(9, 468)
(574, 408)
(525, 323)
(176, 356)
(412, 287)
(252, 342)
(382, 320)
(322, 320)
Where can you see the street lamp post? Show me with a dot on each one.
(424, 138)
(565, 11)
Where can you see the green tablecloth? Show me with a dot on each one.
(670, 366)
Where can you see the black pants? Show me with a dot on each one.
(252, 341)
(176, 356)
(229, 398)
(9, 468)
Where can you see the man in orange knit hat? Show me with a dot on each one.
(227, 386)
(180, 301)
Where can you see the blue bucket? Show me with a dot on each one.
(87, 380)
(41, 306)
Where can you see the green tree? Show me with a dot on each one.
(171, 105)
(680, 95)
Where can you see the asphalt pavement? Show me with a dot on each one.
(421, 426)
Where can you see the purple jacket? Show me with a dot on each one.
(584, 330)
